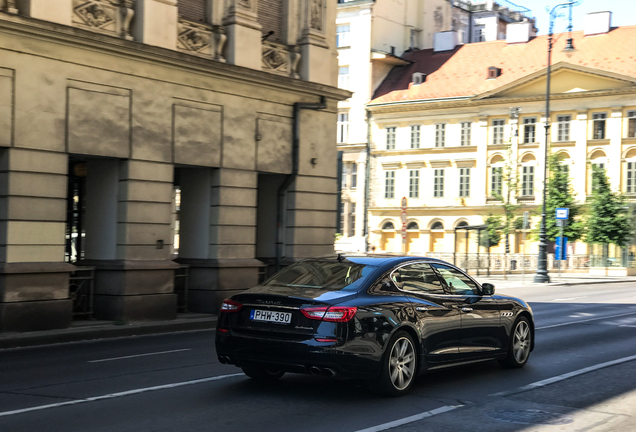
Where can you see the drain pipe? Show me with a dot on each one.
(282, 190)
(367, 184)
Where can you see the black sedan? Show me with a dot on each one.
(381, 318)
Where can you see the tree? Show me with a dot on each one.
(492, 236)
(560, 194)
(511, 180)
(609, 220)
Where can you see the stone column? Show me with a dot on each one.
(134, 279)
(156, 23)
(243, 46)
(34, 280)
(225, 263)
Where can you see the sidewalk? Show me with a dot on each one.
(527, 280)
(95, 329)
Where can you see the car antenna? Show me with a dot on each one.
(340, 258)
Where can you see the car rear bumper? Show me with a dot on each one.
(346, 360)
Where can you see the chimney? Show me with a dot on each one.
(445, 41)
(520, 32)
(597, 23)
(418, 78)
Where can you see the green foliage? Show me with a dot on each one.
(609, 221)
(560, 194)
(511, 180)
(492, 236)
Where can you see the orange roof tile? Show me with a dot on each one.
(463, 71)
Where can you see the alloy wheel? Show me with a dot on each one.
(521, 342)
(402, 363)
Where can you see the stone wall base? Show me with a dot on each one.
(151, 307)
(35, 315)
(211, 281)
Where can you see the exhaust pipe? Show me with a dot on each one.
(314, 370)
(329, 372)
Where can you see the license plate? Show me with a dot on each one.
(270, 316)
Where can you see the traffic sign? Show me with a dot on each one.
(560, 252)
(562, 213)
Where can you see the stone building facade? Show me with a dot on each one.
(125, 122)
(445, 127)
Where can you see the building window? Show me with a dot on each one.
(631, 177)
(599, 125)
(496, 181)
(415, 137)
(497, 131)
(529, 130)
(465, 139)
(390, 138)
(412, 226)
(352, 220)
(343, 127)
(343, 77)
(345, 172)
(631, 124)
(479, 33)
(389, 184)
(342, 217)
(414, 184)
(527, 181)
(440, 135)
(563, 131)
(354, 175)
(464, 182)
(342, 35)
(438, 184)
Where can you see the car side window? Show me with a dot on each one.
(417, 278)
(458, 283)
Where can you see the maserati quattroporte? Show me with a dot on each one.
(384, 319)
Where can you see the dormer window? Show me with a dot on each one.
(418, 78)
(493, 72)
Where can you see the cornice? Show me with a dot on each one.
(471, 101)
(426, 150)
(135, 51)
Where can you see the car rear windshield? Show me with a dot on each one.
(327, 275)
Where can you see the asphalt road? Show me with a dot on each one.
(173, 382)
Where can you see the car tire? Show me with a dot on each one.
(399, 366)
(520, 344)
(262, 373)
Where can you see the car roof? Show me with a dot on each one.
(376, 259)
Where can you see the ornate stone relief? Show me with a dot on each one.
(281, 59)
(9, 6)
(95, 14)
(201, 39)
(315, 15)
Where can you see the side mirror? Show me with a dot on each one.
(488, 288)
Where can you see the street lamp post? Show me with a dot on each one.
(542, 267)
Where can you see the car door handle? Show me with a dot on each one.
(421, 309)
(466, 309)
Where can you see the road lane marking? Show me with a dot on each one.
(139, 355)
(410, 419)
(585, 320)
(118, 394)
(565, 376)
(569, 298)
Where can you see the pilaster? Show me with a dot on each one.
(316, 60)
(153, 21)
(243, 46)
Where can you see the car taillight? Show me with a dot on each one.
(332, 314)
(230, 305)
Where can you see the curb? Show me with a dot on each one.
(107, 331)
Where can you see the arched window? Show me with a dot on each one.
(528, 163)
(437, 226)
(496, 175)
(412, 226)
(388, 226)
(599, 160)
(630, 172)
(462, 224)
